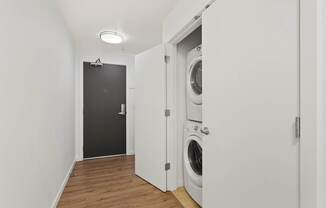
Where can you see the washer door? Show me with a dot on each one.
(193, 159)
(195, 81)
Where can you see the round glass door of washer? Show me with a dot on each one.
(193, 159)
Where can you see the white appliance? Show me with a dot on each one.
(192, 160)
(194, 84)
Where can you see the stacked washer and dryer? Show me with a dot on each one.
(192, 141)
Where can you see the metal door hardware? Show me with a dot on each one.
(166, 59)
(167, 113)
(205, 131)
(123, 110)
(298, 127)
(167, 166)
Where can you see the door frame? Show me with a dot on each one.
(126, 92)
(79, 110)
(172, 122)
(308, 100)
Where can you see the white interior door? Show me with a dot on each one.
(250, 101)
(150, 120)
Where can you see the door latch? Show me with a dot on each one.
(167, 112)
(166, 59)
(297, 127)
(167, 166)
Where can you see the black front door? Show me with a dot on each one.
(104, 124)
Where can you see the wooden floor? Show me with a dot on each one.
(111, 183)
(185, 199)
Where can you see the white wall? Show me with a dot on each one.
(36, 103)
(321, 143)
(90, 54)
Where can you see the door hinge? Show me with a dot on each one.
(298, 127)
(167, 112)
(167, 166)
(166, 59)
(196, 17)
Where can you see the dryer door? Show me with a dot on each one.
(195, 81)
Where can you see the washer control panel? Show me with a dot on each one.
(194, 127)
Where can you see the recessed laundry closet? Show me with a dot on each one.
(230, 109)
(180, 86)
(189, 114)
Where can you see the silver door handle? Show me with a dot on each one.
(205, 131)
(123, 110)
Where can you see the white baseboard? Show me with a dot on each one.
(63, 185)
(103, 157)
(131, 153)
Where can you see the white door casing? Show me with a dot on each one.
(150, 120)
(250, 101)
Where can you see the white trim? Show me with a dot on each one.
(103, 157)
(172, 134)
(131, 153)
(80, 103)
(178, 19)
(63, 185)
(309, 105)
(172, 131)
(186, 30)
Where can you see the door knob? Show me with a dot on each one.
(205, 131)
(123, 110)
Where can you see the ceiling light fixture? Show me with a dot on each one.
(111, 37)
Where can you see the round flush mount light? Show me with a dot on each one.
(111, 37)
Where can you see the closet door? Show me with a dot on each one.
(250, 102)
(150, 120)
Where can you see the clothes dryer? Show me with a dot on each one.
(194, 85)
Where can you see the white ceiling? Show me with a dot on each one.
(139, 20)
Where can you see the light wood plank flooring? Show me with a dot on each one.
(111, 183)
(184, 198)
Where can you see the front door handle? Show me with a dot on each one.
(123, 110)
(205, 131)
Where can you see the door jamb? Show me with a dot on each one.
(172, 122)
(79, 123)
(309, 103)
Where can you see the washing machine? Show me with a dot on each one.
(194, 85)
(192, 160)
